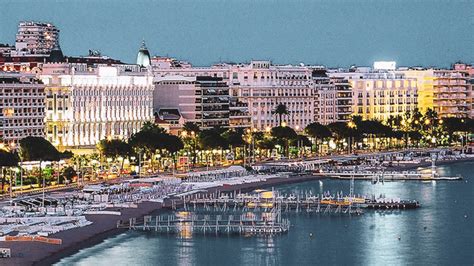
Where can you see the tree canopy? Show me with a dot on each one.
(38, 149)
(317, 131)
(114, 148)
(8, 159)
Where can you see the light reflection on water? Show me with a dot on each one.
(435, 234)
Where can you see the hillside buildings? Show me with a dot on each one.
(35, 38)
(22, 107)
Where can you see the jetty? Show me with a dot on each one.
(185, 223)
(383, 176)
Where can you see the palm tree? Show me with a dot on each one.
(281, 110)
(318, 132)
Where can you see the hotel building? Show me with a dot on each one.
(379, 94)
(257, 88)
(85, 103)
(262, 87)
(22, 107)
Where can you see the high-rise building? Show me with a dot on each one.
(36, 38)
(88, 103)
(22, 107)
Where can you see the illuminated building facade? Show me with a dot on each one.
(255, 90)
(379, 94)
(168, 70)
(448, 92)
(85, 104)
(22, 107)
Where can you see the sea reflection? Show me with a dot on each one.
(438, 233)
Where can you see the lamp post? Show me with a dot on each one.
(253, 145)
(351, 126)
(12, 147)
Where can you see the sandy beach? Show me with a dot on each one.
(104, 226)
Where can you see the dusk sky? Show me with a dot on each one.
(331, 33)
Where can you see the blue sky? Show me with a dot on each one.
(332, 33)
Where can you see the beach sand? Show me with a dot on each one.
(104, 226)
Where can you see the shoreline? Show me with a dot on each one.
(104, 226)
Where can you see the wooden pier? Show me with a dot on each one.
(188, 223)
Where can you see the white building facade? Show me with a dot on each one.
(87, 104)
(263, 87)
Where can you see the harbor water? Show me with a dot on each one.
(438, 233)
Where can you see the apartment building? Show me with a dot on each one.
(448, 92)
(333, 98)
(202, 100)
